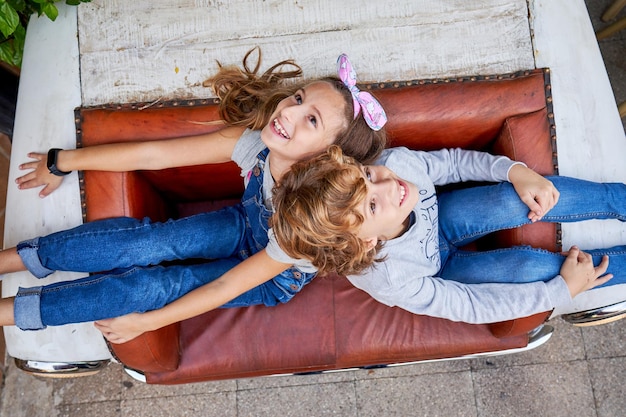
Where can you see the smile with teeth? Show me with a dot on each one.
(402, 192)
(280, 129)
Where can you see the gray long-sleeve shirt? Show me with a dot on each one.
(407, 278)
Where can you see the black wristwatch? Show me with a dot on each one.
(52, 163)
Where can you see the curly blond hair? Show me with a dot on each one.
(317, 213)
(248, 99)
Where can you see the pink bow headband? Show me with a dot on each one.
(373, 112)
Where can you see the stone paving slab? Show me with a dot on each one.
(607, 379)
(220, 404)
(333, 399)
(553, 389)
(445, 394)
(605, 341)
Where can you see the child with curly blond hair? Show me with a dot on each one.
(387, 229)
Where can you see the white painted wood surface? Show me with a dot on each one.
(590, 136)
(146, 51)
(163, 49)
(48, 92)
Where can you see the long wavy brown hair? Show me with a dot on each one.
(317, 213)
(248, 99)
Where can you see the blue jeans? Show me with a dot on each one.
(468, 214)
(133, 253)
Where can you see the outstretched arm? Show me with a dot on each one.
(252, 272)
(538, 193)
(209, 148)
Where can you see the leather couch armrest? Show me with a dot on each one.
(518, 326)
(523, 138)
(114, 194)
(156, 351)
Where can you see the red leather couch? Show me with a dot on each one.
(330, 324)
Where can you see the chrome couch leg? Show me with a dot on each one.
(61, 369)
(596, 316)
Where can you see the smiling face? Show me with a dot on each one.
(305, 123)
(388, 204)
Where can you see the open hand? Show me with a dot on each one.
(580, 274)
(538, 193)
(121, 329)
(39, 175)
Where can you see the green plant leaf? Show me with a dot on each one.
(7, 53)
(19, 36)
(14, 15)
(50, 10)
(18, 45)
(18, 5)
(9, 19)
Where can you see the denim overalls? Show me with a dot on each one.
(285, 285)
(131, 250)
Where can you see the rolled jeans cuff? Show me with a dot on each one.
(27, 310)
(27, 250)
